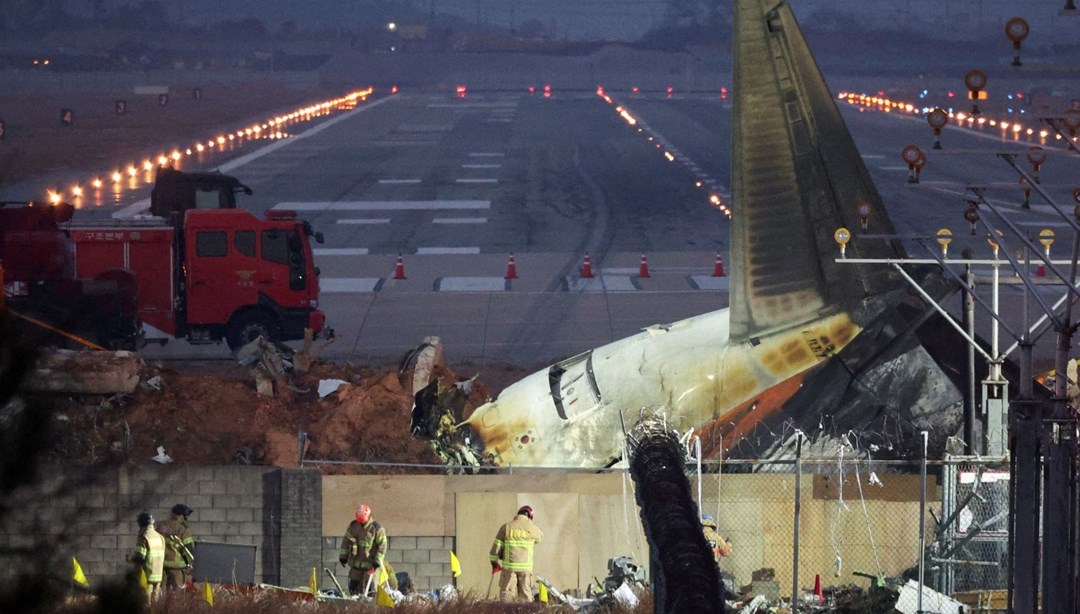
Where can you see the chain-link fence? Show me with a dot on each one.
(858, 523)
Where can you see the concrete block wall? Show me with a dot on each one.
(91, 516)
(426, 559)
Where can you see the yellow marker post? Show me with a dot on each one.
(842, 236)
(1046, 237)
(944, 237)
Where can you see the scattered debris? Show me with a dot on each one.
(932, 601)
(268, 366)
(154, 383)
(330, 386)
(85, 372)
(162, 457)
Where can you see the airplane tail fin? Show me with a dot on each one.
(796, 177)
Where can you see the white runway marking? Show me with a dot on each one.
(340, 251)
(471, 284)
(342, 285)
(603, 283)
(459, 220)
(361, 220)
(398, 181)
(486, 154)
(384, 205)
(473, 105)
(481, 166)
(708, 282)
(477, 181)
(445, 251)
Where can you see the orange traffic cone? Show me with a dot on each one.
(1040, 271)
(586, 267)
(399, 268)
(511, 268)
(643, 270)
(817, 590)
(718, 269)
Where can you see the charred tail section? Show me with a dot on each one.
(687, 579)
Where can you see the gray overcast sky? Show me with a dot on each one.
(614, 19)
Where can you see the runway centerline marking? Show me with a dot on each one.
(361, 220)
(398, 181)
(340, 251)
(446, 251)
(384, 205)
(459, 220)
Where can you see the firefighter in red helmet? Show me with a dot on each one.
(512, 555)
(363, 549)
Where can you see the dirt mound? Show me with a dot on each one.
(210, 414)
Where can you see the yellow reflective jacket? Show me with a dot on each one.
(513, 547)
(150, 553)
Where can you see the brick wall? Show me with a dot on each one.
(425, 559)
(92, 516)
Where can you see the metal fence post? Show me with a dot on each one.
(798, 505)
(922, 521)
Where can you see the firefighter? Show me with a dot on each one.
(149, 554)
(363, 551)
(179, 547)
(512, 555)
(719, 546)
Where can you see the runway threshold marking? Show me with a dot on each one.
(472, 284)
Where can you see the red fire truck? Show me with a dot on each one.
(208, 275)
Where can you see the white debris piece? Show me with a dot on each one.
(153, 383)
(760, 601)
(932, 601)
(329, 386)
(874, 479)
(625, 596)
(162, 457)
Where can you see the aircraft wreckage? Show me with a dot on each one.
(808, 344)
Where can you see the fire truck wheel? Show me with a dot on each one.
(247, 326)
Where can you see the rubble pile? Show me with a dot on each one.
(251, 411)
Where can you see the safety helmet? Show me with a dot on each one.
(363, 513)
(526, 510)
(182, 510)
(145, 519)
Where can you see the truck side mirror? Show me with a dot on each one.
(319, 237)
